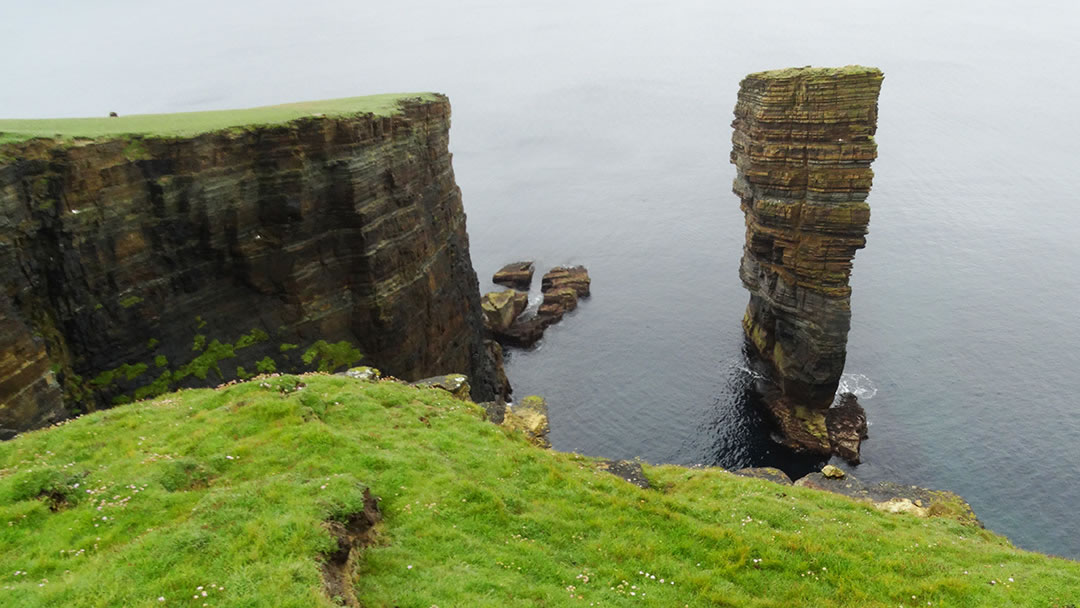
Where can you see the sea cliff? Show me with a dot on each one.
(148, 253)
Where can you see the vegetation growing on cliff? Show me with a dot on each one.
(186, 124)
(221, 497)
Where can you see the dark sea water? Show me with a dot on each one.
(598, 133)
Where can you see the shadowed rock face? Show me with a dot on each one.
(802, 147)
(131, 267)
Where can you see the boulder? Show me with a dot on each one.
(530, 416)
(558, 301)
(846, 422)
(833, 472)
(767, 473)
(627, 470)
(494, 411)
(575, 277)
(518, 275)
(368, 374)
(455, 384)
(525, 332)
(896, 498)
(501, 308)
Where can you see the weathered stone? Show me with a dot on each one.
(525, 332)
(833, 472)
(502, 383)
(846, 422)
(529, 416)
(627, 470)
(768, 473)
(494, 411)
(838, 430)
(802, 147)
(368, 374)
(575, 277)
(501, 308)
(132, 267)
(902, 505)
(558, 301)
(455, 384)
(895, 498)
(517, 275)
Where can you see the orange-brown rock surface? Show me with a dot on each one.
(135, 266)
(802, 147)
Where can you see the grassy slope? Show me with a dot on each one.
(226, 489)
(193, 123)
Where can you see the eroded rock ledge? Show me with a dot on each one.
(137, 265)
(802, 147)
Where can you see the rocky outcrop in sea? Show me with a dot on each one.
(802, 148)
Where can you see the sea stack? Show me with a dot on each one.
(802, 147)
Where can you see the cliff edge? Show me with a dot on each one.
(147, 253)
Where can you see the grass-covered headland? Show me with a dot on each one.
(227, 498)
(187, 124)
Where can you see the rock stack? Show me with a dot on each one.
(802, 147)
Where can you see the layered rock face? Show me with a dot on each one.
(802, 146)
(135, 266)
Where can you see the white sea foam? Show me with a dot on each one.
(857, 384)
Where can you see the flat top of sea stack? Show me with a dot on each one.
(187, 124)
(811, 72)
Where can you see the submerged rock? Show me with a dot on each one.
(501, 308)
(517, 275)
(529, 416)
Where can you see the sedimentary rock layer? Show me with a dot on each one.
(136, 265)
(802, 146)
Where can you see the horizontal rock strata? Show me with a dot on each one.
(137, 265)
(516, 274)
(802, 147)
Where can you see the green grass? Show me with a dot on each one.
(227, 490)
(812, 72)
(186, 124)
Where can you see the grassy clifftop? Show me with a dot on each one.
(186, 124)
(228, 498)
